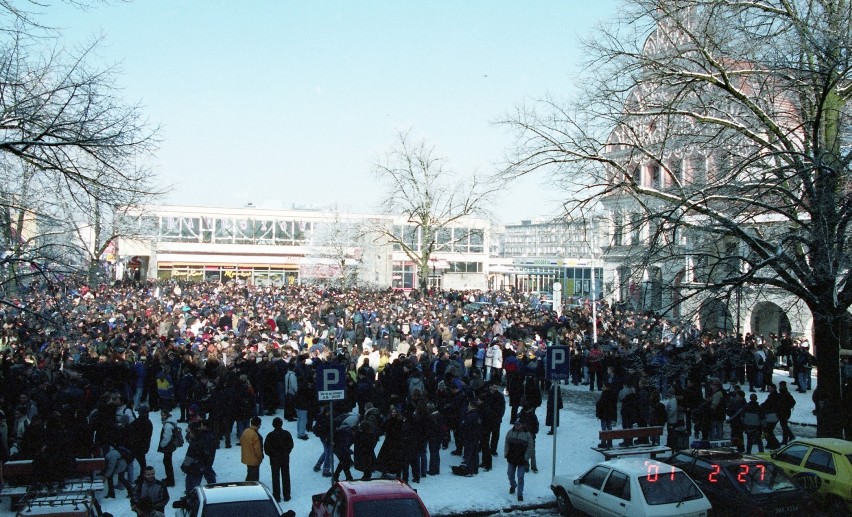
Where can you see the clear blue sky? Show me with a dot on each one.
(293, 101)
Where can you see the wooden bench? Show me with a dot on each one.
(617, 451)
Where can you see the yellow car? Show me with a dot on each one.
(822, 466)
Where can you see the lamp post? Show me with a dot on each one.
(595, 252)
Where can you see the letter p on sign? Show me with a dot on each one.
(557, 363)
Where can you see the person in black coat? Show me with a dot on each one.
(364, 441)
(554, 404)
(278, 445)
(493, 408)
(138, 437)
(391, 459)
(785, 405)
(606, 410)
(470, 432)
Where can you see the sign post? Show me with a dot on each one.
(557, 358)
(331, 386)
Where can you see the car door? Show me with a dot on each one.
(791, 457)
(820, 463)
(615, 496)
(588, 488)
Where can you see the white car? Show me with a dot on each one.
(634, 487)
(243, 498)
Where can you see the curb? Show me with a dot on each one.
(486, 513)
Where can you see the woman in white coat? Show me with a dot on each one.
(494, 362)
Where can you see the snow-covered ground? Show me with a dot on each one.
(445, 493)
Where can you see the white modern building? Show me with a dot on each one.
(279, 246)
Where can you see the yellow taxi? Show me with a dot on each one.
(822, 466)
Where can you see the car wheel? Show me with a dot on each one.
(835, 507)
(563, 503)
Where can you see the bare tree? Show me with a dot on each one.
(432, 199)
(717, 132)
(71, 150)
(338, 240)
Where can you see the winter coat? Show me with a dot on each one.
(494, 357)
(532, 393)
(518, 447)
(251, 447)
(552, 416)
(629, 406)
(138, 435)
(364, 441)
(493, 408)
(784, 406)
(606, 407)
(155, 490)
(278, 445)
(391, 459)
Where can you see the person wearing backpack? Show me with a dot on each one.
(171, 438)
(516, 449)
(117, 458)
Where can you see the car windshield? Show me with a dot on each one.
(386, 507)
(675, 487)
(759, 478)
(253, 508)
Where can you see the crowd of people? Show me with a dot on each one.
(81, 370)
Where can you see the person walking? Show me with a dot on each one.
(752, 418)
(148, 486)
(278, 445)
(167, 446)
(517, 448)
(784, 408)
(251, 449)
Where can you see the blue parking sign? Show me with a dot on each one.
(331, 382)
(557, 359)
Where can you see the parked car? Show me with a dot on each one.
(633, 487)
(368, 498)
(736, 483)
(822, 466)
(247, 498)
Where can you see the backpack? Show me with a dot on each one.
(126, 454)
(177, 440)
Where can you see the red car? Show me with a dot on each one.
(376, 498)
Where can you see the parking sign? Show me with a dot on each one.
(331, 383)
(557, 363)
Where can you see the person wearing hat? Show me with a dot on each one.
(517, 448)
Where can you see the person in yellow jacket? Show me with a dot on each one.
(251, 448)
